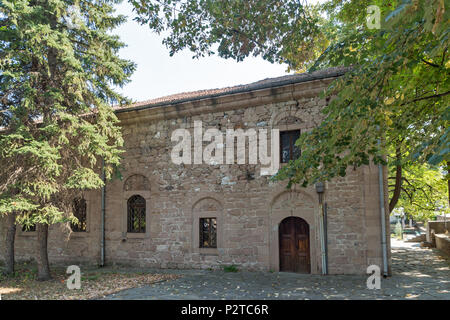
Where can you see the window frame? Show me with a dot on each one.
(143, 204)
(30, 233)
(198, 206)
(292, 145)
(22, 231)
(149, 215)
(210, 230)
(31, 229)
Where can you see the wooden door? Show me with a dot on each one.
(294, 245)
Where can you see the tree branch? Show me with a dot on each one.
(398, 181)
(428, 97)
(431, 63)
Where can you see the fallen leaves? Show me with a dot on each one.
(94, 285)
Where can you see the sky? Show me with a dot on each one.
(158, 74)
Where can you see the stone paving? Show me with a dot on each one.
(418, 273)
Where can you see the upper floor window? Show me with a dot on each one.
(136, 214)
(79, 209)
(288, 149)
(208, 233)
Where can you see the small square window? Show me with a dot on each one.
(208, 233)
(288, 149)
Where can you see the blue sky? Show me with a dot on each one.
(158, 74)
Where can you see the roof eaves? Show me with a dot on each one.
(304, 77)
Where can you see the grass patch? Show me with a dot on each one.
(230, 268)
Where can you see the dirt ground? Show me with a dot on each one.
(95, 283)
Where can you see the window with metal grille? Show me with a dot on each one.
(208, 233)
(136, 214)
(288, 149)
(79, 208)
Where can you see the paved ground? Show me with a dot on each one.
(418, 273)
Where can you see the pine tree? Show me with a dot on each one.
(59, 66)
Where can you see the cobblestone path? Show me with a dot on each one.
(418, 273)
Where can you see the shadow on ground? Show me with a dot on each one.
(418, 273)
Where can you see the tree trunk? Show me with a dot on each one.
(9, 250)
(42, 256)
(398, 182)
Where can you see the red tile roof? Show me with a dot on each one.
(211, 93)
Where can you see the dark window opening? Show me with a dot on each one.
(208, 233)
(31, 228)
(79, 209)
(288, 149)
(136, 214)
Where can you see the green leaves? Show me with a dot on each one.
(397, 90)
(85, 179)
(233, 29)
(424, 190)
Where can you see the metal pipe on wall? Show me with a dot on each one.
(322, 242)
(325, 234)
(320, 189)
(102, 224)
(382, 213)
(383, 219)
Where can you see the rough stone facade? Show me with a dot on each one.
(248, 207)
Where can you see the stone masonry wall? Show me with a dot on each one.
(248, 206)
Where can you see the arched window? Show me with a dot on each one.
(79, 208)
(136, 214)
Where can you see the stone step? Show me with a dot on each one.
(417, 238)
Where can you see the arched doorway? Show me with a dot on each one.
(294, 245)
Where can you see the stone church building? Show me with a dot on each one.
(209, 215)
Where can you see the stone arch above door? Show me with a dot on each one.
(294, 203)
(290, 201)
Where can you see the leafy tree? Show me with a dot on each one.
(59, 64)
(235, 28)
(395, 95)
(423, 190)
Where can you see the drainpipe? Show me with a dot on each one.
(102, 224)
(325, 233)
(383, 219)
(320, 188)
